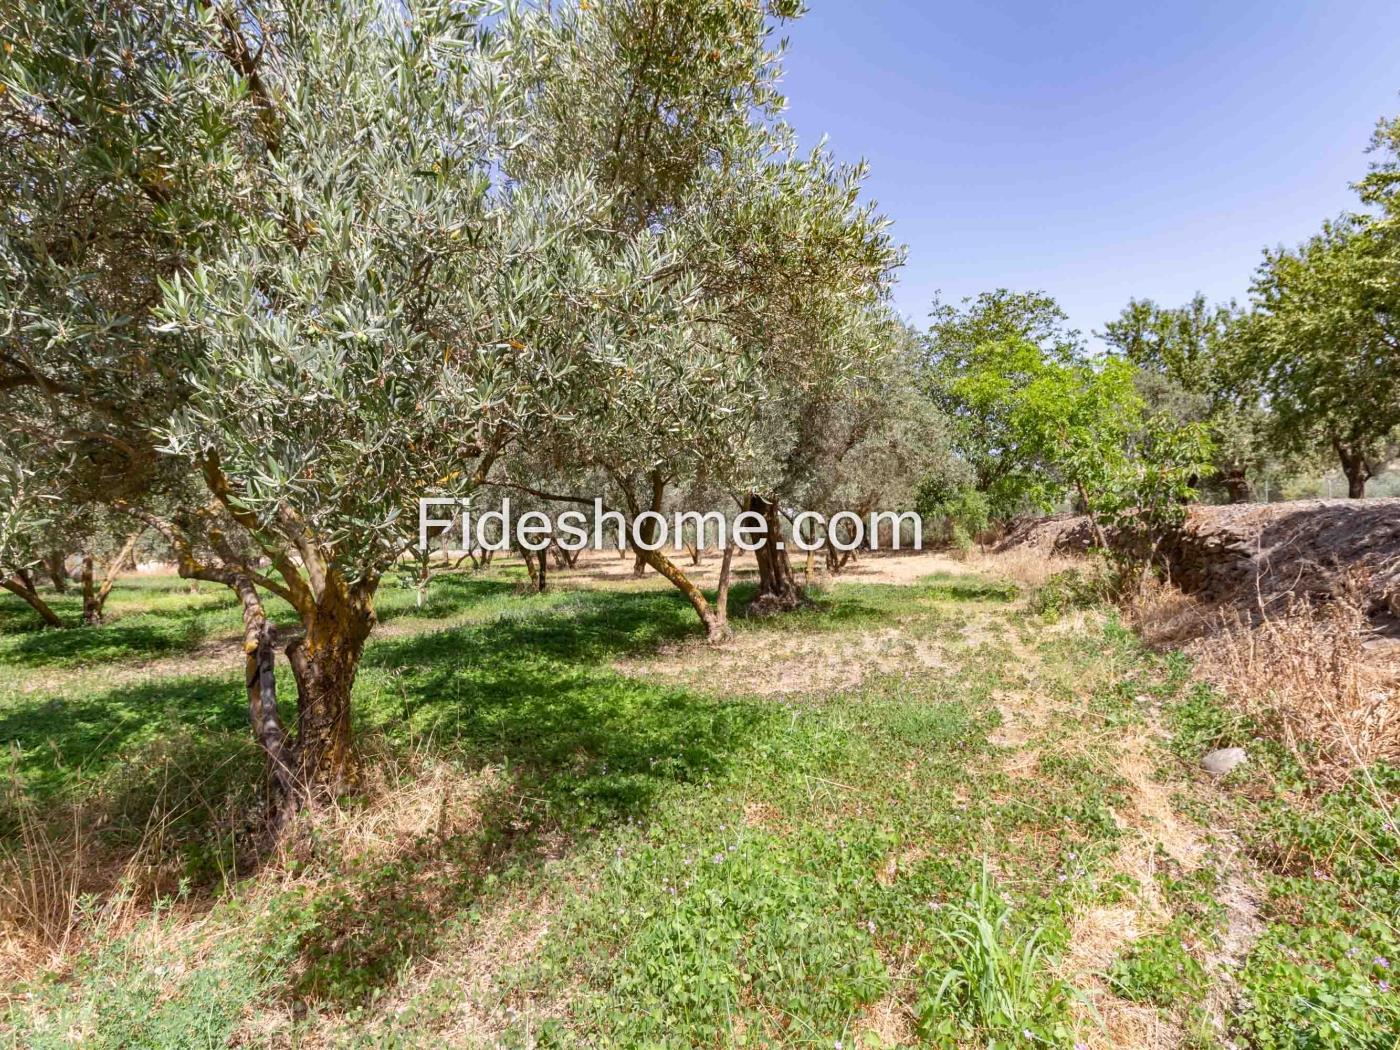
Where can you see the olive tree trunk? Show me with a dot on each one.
(778, 589)
(647, 533)
(55, 565)
(324, 664)
(95, 598)
(714, 618)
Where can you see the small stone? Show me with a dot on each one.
(1222, 761)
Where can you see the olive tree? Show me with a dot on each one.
(675, 107)
(359, 312)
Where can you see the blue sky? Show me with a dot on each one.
(1096, 150)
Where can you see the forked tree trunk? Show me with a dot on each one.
(536, 564)
(17, 584)
(778, 589)
(94, 601)
(715, 623)
(55, 565)
(318, 763)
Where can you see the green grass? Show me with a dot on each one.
(658, 865)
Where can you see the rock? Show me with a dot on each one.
(1222, 761)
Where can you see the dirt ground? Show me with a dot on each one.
(898, 567)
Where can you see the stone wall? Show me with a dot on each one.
(1254, 551)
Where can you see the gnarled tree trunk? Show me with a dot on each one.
(778, 589)
(92, 613)
(324, 663)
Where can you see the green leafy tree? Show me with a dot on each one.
(1323, 337)
(1189, 364)
(1323, 341)
(1038, 422)
(978, 357)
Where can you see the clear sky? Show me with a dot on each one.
(1096, 150)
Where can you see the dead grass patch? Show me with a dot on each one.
(1304, 676)
(403, 802)
(1025, 566)
(749, 664)
(889, 1021)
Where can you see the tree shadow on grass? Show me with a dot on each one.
(59, 739)
(448, 595)
(142, 623)
(531, 692)
(583, 747)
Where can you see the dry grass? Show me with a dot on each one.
(62, 884)
(1026, 566)
(404, 801)
(40, 878)
(1301, 670)
(1305, 676)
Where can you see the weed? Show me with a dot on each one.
(1159, 969)
(997, 985)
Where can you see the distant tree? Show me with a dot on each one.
(771, 245)
(978, 357)
(1190, 369)
(869, 444)
(1038, 422)
(1130, 472)
(1323, 341)
(1323, 336)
